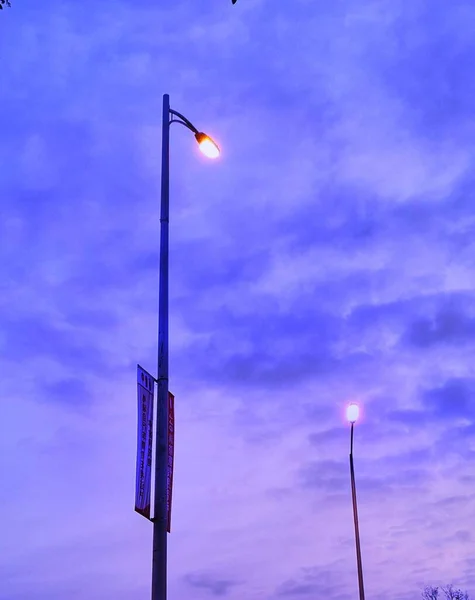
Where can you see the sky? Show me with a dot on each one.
(326, 257)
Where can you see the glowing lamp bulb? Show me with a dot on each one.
(207, 145)
(352, 413)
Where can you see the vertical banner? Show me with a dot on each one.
(171, 453)
(143, 477)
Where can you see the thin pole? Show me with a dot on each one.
(159, 558)
(355, 518)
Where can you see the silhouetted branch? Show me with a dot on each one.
(432, 593)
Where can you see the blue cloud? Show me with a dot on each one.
(29, 337)
(214, 585)
(452, 399)
(417, 37)
(316, 581)
(448, 326)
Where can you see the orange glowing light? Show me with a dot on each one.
(209, 147)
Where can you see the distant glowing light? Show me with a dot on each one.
(352, 412)
(207, 145)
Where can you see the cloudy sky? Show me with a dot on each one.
(327, 257)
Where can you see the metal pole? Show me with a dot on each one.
(355, 518)
(159, 558)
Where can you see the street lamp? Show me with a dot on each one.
(352, 414)
(160, 517)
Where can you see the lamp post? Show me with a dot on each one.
(352, 414)
(160, 517)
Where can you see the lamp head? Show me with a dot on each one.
(207, 145)
(352, 412)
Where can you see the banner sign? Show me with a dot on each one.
(171, 453)
(143, 477)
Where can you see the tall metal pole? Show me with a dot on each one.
(159, 558)
(355, 518)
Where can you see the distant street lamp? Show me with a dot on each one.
(352, 414)
(160, 517)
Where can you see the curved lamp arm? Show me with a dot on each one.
(207, 145)
(183, 120)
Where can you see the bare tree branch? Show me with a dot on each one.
(432, 593)
(454, 594)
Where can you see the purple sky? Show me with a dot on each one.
(326, 257)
